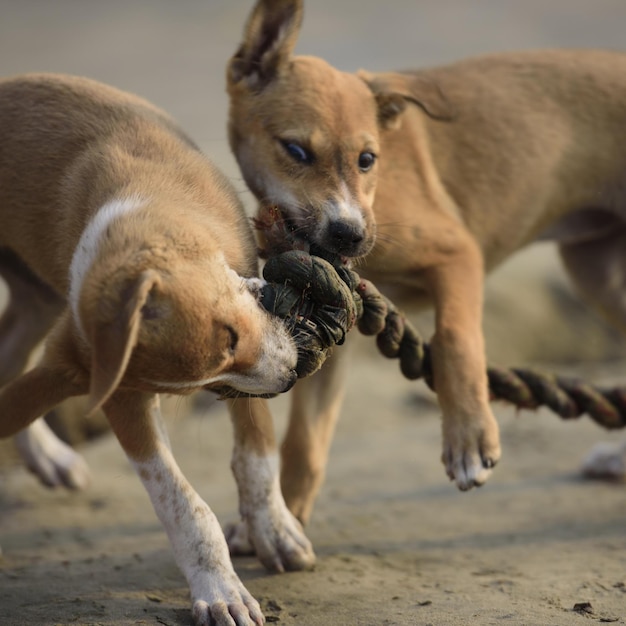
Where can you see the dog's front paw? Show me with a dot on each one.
(54, 462)
(279, 540)
(470, 451)
(225, 602)
(237, 538)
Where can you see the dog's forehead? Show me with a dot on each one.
(316, 93)
(316, 114)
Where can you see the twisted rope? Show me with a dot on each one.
(321, 299)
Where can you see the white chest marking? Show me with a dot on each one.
(87, 248)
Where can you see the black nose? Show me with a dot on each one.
(345, 236)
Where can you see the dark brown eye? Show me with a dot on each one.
(233, 339)
(366, 161)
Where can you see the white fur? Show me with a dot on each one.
(50, 459)
(275, 534)
(345, 209)
(87, 248)
(258, 378)
(197, 540)
(606, 461)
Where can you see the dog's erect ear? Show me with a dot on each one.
(112, 341)
(394, 90)
(269, 39)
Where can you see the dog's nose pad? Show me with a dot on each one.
(344, 235)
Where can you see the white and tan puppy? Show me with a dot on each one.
(433, 177)
(130, 253)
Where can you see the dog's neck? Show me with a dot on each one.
(88, 245)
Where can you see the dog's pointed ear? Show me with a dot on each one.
(269, 39)
(394, 90)
(113, 340)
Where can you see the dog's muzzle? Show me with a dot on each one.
(345, 238)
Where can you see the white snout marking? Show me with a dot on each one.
(87, 248)
(343, 208)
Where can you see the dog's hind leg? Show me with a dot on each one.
(315, 408)
(54, 462)
(606, 461)
(28, 316)
(598, 269)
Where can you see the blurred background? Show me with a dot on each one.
(174, 53)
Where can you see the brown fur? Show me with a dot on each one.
(473, 161)
(161, 298)
(155, 303)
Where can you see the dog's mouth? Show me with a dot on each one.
(280, 232)
(297, 235)
(226, 391)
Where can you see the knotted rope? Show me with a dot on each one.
(320, 299)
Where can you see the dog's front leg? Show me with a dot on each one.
(274, 533)
(218, 596)
(471, 443)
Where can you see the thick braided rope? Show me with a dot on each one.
(321, 299)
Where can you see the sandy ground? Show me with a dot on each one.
(396, 543)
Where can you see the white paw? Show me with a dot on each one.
(237, 538)
(282, 544)
(469, 454)
(225, 602)
(279, 540)
(50, 459)
(606, 461)
(275, 535)
(466, 470)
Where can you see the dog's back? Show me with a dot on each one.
(86, 135)
(521, 130)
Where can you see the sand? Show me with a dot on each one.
(396, 543)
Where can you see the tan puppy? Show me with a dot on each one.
(123, 244)
(434, 177)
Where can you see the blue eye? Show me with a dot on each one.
(366, 161)
(297, 152)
